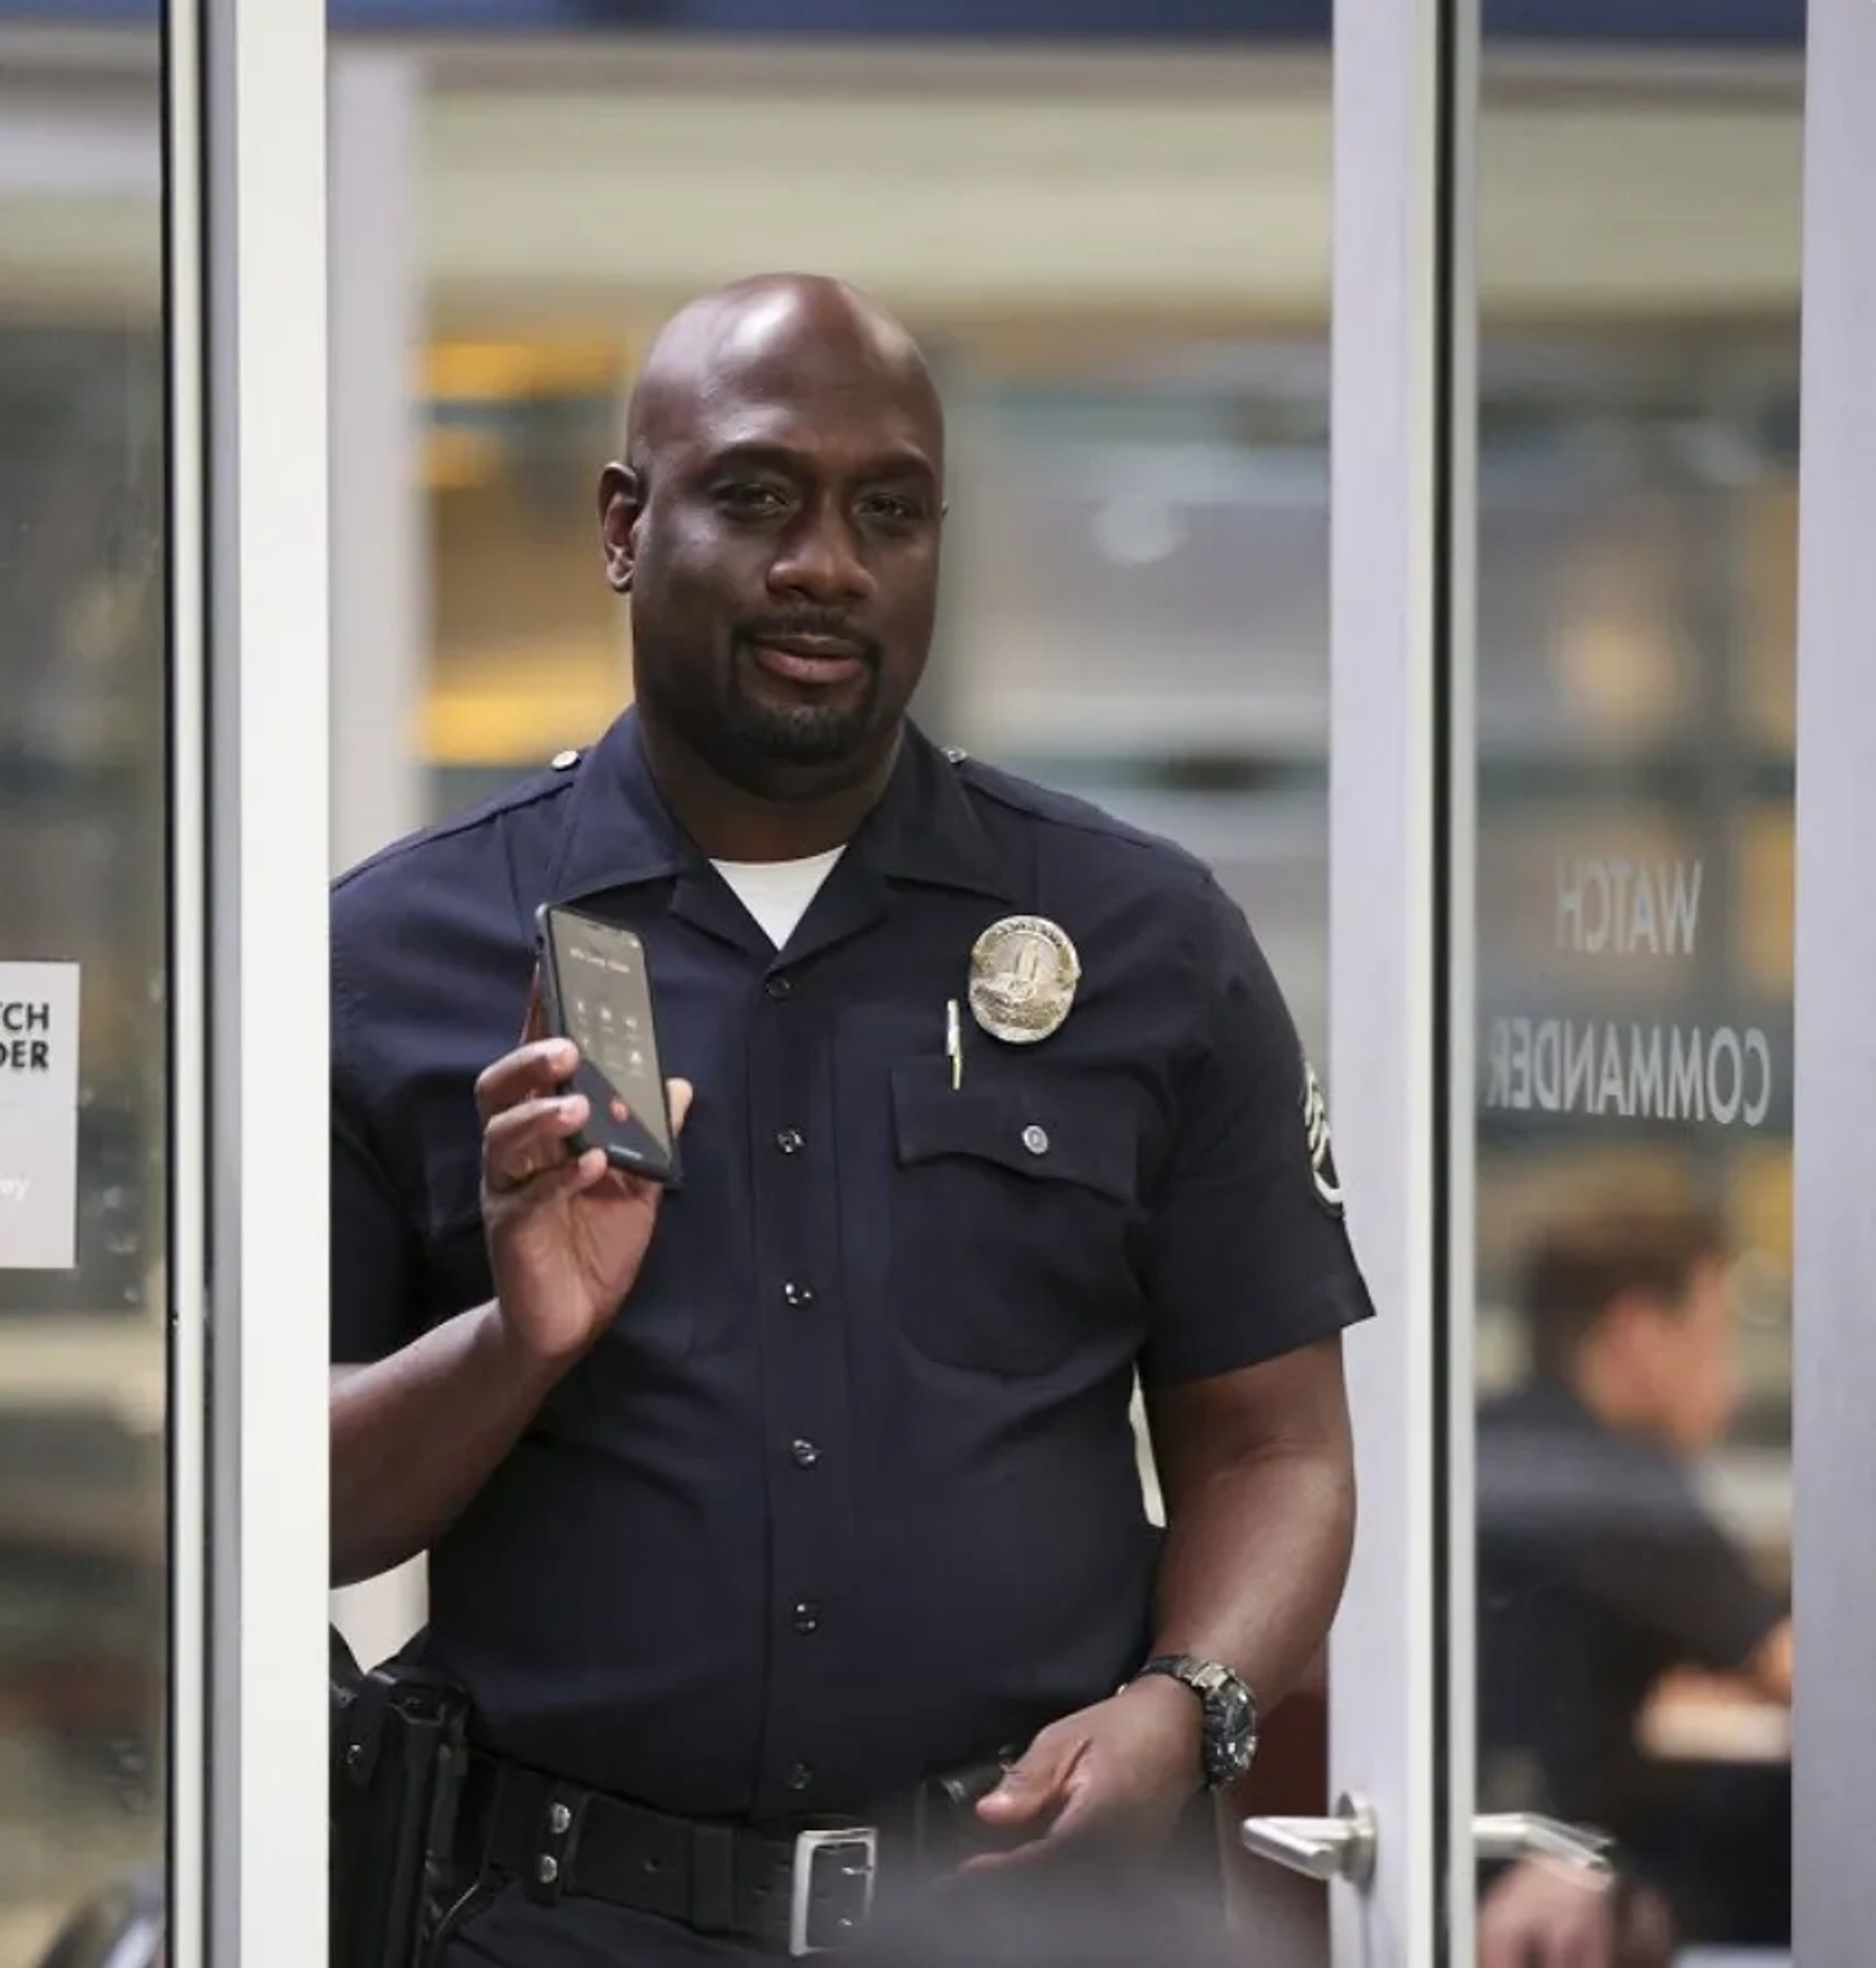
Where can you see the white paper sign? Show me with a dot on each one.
(38, 1117)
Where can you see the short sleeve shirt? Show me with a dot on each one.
(847, 1493)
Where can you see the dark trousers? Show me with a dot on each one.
(513, 1930)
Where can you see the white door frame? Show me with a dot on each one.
(1399, 819)
(245, 194)
(380, 564)
(1400, 886)
(1834, 1883)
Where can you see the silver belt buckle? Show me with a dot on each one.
(851, 1853)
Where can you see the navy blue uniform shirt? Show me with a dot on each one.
(847, 1493)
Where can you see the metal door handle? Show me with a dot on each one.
(1524, 1834)
(1341, 1847)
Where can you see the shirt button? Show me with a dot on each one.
(805, 1454)
(797, 1295)
(790, 1141)
(778, 987)
(807, 1615)
(1035, 1140)
(799, 1777)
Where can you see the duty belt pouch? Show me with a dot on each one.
(399, 1753)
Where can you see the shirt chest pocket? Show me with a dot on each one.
(1013, 1205)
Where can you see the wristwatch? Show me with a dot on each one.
(1230, 1737)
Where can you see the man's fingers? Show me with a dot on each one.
(527, 1140)
(1030, 1788)
(566, 1178)
(1081, 1818)
(1076, 1818)
(1022, 1796)
(541, 1066)
(679, 1094)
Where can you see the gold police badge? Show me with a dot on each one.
(1023, 974)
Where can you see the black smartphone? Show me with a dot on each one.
(597, 992)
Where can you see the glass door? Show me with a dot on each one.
(1630, 754)
(1563, 773)
(85, 1088)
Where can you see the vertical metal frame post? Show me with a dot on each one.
(1400, 948)
(245, 98)
(1834, 1886)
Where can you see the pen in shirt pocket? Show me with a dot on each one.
(955, 1044)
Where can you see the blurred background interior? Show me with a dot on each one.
(1116, 242)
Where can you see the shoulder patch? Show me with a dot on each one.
(1322, 1155)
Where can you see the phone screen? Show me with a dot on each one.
(600, 997)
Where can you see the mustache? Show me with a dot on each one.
(809, 626)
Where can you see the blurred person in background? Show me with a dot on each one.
(778, 1502)
(1542, 1913)
(1604, 1575)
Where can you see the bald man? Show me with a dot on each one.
(800, 1497)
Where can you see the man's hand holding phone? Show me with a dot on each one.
(566, 1234)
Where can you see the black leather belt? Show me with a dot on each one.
(799, 1890)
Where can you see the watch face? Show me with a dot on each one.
(1230, 1733)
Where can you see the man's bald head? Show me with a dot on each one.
(776, 523)
(822, 331)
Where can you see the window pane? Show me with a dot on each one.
(1634, 777)
(82, 876)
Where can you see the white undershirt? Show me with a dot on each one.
(777, 894)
